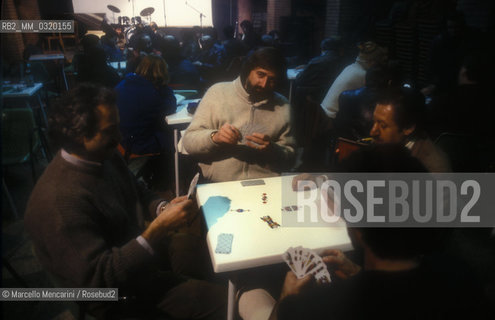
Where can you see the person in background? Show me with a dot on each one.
(190, 48)
(211, 60)
(321, 71)
(142, 46)
(352, 77)
(250, 38)
(355, 117)
(448, 49)
(91, 64)
(143, 100)
(183, 74)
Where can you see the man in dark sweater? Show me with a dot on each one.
(86, 216)
(320, 72)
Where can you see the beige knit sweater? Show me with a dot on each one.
(228, 102)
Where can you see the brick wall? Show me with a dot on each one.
(244, 10)
(15, 43)
(12, 43)
(274, 10)
(332, 18)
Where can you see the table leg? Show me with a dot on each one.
(43, 112)
(64, 77)
(38, 120)
(176, 155)
(290, 90)
(36, 114)
(231, 301)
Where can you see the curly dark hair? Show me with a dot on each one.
(268, 58)
(74, 116)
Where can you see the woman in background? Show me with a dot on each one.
(144, 99)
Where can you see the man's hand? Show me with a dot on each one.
(179, 212)
(228, 134)
(261, 141)
(296, 186)
(294, 286)
(340, 264)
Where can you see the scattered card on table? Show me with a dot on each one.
(249, 183)
(224, 243)
(272, 224)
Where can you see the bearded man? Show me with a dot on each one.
(242, 129)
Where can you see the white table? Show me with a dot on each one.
(118, 65)
(23, 92)
(17, 90)
(254, 243)
(181, 117)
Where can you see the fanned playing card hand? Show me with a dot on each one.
(303, 261)
(249, 129)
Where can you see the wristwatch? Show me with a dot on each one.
(212, 134)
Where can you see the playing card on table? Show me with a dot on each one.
(224, 243)
(303, 261)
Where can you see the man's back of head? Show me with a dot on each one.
(392, 243)
(75, 116)
(331, 44)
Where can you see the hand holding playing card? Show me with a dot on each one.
(179, 212)
(258, 141)
(192, 186)
(342, 266)
(228, 134)
(293, 285)
(303, 261)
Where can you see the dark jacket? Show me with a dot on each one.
(321, 71)
(434, 290)
(142, 110)
(355, 117)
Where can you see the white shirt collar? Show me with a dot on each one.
(410, 144)
(78, 161)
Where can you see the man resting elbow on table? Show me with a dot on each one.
(86, 217)
(242, 129)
